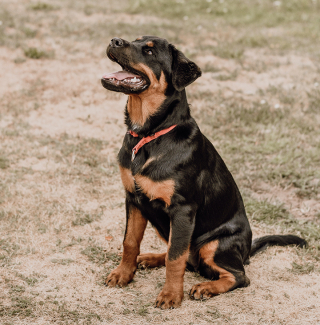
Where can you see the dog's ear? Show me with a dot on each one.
(184, 71)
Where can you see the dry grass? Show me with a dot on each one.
(61, 200)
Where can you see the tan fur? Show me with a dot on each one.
(124, 273)
(156, 190)
(134, 107)
(150, 44)
(152, 260)
(226, 279)
(141, 106)
(127, 179)
(135, 230)
(172, 292)
(175, 270)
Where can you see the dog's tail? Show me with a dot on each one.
(260, 244)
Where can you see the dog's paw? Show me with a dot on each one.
(169, 299)
(151, 260)
(120, 276)
(201, 291)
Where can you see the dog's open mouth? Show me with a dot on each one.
(124, 81)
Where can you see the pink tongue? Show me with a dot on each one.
(120, 75)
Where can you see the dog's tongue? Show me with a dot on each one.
(120, 75)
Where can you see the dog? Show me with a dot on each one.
(174, 178)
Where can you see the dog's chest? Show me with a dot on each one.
(140, 185)
(138, 178)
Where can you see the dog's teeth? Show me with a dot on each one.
(132, 80)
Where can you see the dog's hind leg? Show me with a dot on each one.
(223, 280)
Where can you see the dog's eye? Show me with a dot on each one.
(149, 52)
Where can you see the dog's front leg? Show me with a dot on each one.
(181, 229)
(136, 225)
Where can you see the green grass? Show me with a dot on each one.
(223, 77)
(31, 280)
(276, 216)
(8, 250)
(26, 307)
(228, 51)
(42, 6)
(214, 313)
(21, 307)
(314, 101)
(34, 53)
(302, 269)
(245, 16)
(238, 13)
(240, 21)
(99, 255)
(269, 137)
(4, 163)
(42, 214)
(62, 261)
(143, 311)
(83, 218)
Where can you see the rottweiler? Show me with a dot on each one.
(174, 178)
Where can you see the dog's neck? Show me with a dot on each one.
(147, 115)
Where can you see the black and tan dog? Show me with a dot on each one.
(174, 178)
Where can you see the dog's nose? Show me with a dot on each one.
(116, 42)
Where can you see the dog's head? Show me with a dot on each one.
(146, 63)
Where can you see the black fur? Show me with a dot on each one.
(260, 244)
(206, 204)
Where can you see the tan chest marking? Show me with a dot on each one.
(156, 190)
(127, 179)
(146, 104)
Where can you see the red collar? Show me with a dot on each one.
(145, 140)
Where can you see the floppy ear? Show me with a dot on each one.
(184, 71)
